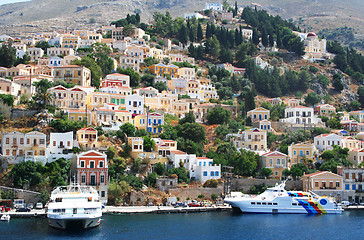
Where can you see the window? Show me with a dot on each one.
(316, 184)
(82, 164)
(337, 184)
(205, 173)
(41, 141)
(294, 153)
(7, 141)
(102, 193)
(307, 153)
(212, 173)
(217, 173)
(270, 161)
(347, 187)
(92, 164)
(83, 179)
(278, 161)
(354, 187)
(102, 179)
(101, 164)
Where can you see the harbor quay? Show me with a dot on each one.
(41, 213)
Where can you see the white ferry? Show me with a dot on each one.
(74, 206)
(278, 200)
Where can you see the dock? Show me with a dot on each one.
(40, 213)
(163, 209)
(352, 208)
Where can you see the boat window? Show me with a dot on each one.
(269, 203)
(275, 191)
(275, 203)
(252, 203)
(294, 204)
(282, 191)
(258, 203)
(312, 204)
(58, 199)
(300, 204)
(264, 203)
(306, 204)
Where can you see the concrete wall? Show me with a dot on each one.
(289, 127)
(20, 113)
(192, 193)
(244, 184)
(28, 196)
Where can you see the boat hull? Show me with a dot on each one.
(282, 208)
(74, 223)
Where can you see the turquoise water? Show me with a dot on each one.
(219, 225)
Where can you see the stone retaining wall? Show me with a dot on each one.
(244, 184)
(192, 193)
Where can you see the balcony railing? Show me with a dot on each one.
(327, 187)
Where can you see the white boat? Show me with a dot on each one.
(5, 217)
(278, 200)
(74, 206)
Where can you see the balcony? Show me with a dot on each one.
(328, 188)
(14, 146)
(359, 191)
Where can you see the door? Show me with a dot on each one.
(93, 180)
(75, 211)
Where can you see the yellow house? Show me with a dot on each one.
(87, 137)
(98, 99)
(75, 74)
(349, 142)
(275, 161)
(35, 144)
(301, 152)
(70, 41)
(161, 69)
(251, 140)
(325, 110)
(65, 98)
(79, 115)
(156, 53)
(186, 73)
(322, 181)
(259, 114)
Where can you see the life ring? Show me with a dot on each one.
(35, 214)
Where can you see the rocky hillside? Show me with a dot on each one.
(52, 14)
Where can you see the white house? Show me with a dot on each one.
(59, 143)
(327, 141)
(214, 6)
(300, 114)
(199, 168)
(134, 104)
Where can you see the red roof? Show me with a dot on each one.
(88, 129)
(314, 174)
(274, 153)
(177, 152)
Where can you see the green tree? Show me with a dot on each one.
(221, 131)
(7, 99)
(183, 34)
(159, 169)
(151, 179)
(266, 172)
(337, 83)
(323, 80)
(96, 71)
(212, 47)
(199, 33)
(43, 97)
(44, 45)
(148, 143)
(182, 174)
(7, 55)
(134, 76)
(218, 116)
(188, 118)
(361, 95)
(312, 98)
(160, 86)
(128, 30)
(128, 129)
(137, 165)
(192, 131)
(117, 192)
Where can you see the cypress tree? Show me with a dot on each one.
(199, 33)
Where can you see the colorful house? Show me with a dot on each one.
(275, 161)
(92, 170)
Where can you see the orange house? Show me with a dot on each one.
(92, 170)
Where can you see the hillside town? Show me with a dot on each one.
(185, 108)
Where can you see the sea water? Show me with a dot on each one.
(201, 226)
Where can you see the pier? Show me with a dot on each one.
(163, 209)
(40, 213)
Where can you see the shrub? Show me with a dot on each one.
(211, 183)
(201, 196)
